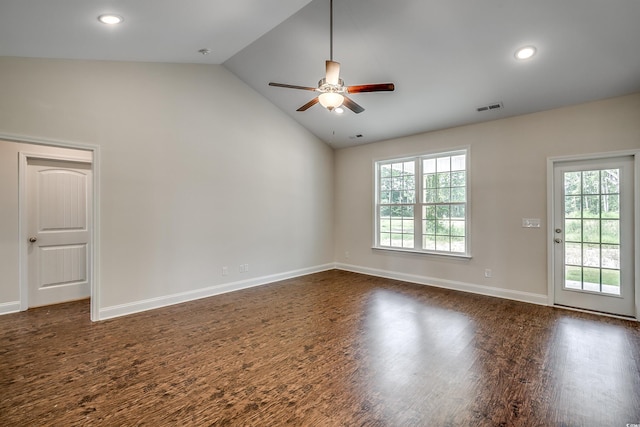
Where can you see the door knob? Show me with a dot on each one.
(33, 239)
(557, 240)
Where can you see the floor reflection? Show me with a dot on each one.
(590, 364)
(420, 355)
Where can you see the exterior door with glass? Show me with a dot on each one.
(593, 235)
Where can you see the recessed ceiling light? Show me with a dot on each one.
(525, 52)
(110, 19)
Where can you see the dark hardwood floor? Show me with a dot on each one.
(329, 349)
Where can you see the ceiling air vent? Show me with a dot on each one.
(494, 106)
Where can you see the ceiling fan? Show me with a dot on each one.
(332, 91)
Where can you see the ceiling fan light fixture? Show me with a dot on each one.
(331, 100)
(525, 52)
(110, 19)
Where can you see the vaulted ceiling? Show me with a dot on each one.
(446, 58)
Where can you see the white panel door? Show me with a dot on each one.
(59, 220)
(593, 235)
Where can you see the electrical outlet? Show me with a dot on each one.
(488, 273)
(225, 271)
(246, 268)
(243, 268)
(347, 254)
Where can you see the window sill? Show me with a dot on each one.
(415, 252)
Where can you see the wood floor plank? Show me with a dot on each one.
(328, 349)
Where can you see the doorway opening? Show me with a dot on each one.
(593, 233)
(50, 259)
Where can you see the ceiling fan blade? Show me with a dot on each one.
(292, 86)
(309, 104)
(376, 87)
(333, 72)
(352, 105)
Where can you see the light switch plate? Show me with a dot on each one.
(531, 222)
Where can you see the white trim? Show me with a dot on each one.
(181, 297)
(528, 297)
(551, 162)
(95, 232)
(597, 313)
(9, 307)
(419, 203)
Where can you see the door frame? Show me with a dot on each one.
(551, 247)
(94, 233)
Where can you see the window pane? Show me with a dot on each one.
(443, 227)
(573, 207)
(408, 197)
(611, 282)
(591, 182)
(443, 164)
(611, 206)
(610, 181)
(591, 279)
(611, 256)
(429, 227)
(458, 179)
(443, 243)
(407, 226)
(429, 242)
(385, 171)
(407, 241)
(591, 230)
(591, 255)
(385, 239)
(429, 180)
(573, 230)
(610, 231)
(429, 166)
(443, 211)
(444, 179)
(572, 183)
(458, 194)
(573, 277)
(409, 168)
(385, 197)
(457, 228)
(457, 212)
(457, 244)
(573, 253)
(443, 195)
(429, 212)
(396, 240)
(458, 163)
(591, 207)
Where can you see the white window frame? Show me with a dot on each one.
(419, 203)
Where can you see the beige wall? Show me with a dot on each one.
(508, 183)
(197, 172)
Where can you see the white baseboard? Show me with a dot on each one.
(529, 297)
(164, 301)
(9, 307)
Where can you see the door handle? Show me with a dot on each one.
(557, 240)
(33, 239)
